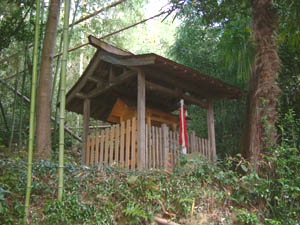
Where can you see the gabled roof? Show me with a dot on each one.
(112, 73)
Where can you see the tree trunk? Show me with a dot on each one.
(44, 90)
(263, 89)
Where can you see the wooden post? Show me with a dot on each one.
(86, 123)
(141, 111)
(165, 143)
(211, 130)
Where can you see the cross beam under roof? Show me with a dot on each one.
(177, 94)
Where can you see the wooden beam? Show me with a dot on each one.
(211, 130)
(93, 79)
(140, 60)
(176, 94)
(123, 78)
(86, 123)
(92, 67)
(184, 85)
(81, 95)
(141, 114)
(107, 47)
(111, 75)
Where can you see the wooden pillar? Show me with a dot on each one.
(165, 141)
(141, 115)
(211, 130)
(86, 123)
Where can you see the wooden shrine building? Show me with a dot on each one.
(138, 93)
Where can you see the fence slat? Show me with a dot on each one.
(146, 150)
(97, 147)
(133, 144)
(202, 146)
(92, 142)
(153, 146)
(150, 147)
(117, 143)
(174, 146)
(122, 144)
(102, 146)
(156, 147)
(161, 150)
(207, 149)
(127, 143)
(87, 156)
(166, 144)
(192, 142)
(111, 146)
(178, 147)
(107, 130)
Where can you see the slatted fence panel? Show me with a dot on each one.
(114, 146)
(117, 145)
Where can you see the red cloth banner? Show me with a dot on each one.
(183, 133)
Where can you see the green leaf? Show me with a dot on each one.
(244, 168)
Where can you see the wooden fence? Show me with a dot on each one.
(117, 145)
(194, 144)
(114, 146)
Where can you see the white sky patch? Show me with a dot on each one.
(155, 6)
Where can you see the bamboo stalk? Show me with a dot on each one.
(63, 98)
(113, 33)
(21, 103)
(71, 25)
(60, 46)
(32, 110)
(14, 75)
(3, 115)
(56, 72)
(13, 114)
(97, 12)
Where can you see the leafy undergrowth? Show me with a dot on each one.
(196, 192)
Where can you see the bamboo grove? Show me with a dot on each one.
(204, 35)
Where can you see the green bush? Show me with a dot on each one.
(231, 187)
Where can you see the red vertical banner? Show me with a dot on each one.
(183, 133)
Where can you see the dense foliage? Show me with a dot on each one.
(202, 49)
(14, 20)
(215, 37)
(227, 192)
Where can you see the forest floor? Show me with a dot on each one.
(195, 192)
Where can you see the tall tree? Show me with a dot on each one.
(45, 83)
(263, 89)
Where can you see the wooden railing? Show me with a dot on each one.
(117, 145)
